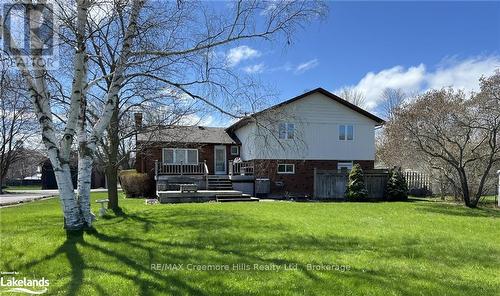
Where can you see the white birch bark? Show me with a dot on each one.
(58, 151)
(87, 147)
(118, 75)
(78, 116)
(76, 208)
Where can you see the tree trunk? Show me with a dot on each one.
(112, 165)
(72, 215)
(84, 185)
(112, 182)
(465, 188)
(1, 184)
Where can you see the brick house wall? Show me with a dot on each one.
(302, 181)
(145, 159)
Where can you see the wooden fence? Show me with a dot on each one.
(331, 184)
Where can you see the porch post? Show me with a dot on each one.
(230, 167)
(182, 168)
(205, 169)
(156, 169)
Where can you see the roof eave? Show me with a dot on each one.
(242, 122)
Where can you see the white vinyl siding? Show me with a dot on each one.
(316, 133)
(180, 155)
(286, 168)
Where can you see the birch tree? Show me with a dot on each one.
(175, 53)
(76, 206)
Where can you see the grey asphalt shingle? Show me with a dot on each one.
(187, 134)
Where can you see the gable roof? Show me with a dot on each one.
(187, 134)
(320, 90)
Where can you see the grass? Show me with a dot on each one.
(484, 201)
(412, 248)
(25, 187)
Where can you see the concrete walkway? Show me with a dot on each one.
(22, 196)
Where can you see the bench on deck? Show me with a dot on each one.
(188, 188)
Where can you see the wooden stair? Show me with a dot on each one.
(219, 182)
(235, 198)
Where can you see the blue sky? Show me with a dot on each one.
(373, 45)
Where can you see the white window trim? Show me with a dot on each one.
(343, 164)
(173, 157)
(237, 150)
(285, 173)
(345, 126)
(286, 130)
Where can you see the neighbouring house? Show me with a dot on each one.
(48, 178)
(27, 170)
(283, 144)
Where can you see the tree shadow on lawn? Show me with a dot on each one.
(457, 210)
(78, 266)
(212, 237)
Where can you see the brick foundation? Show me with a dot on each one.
(300, 183)
(145, 159)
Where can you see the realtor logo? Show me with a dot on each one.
(29, 32)
(11, 283)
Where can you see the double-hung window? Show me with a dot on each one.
(346, 132)
(286, 130)
(286, 168)
(235, 150)
(180, 155)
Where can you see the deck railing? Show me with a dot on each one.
(241, 168)
(199, 168)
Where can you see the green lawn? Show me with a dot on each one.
(413, 248)
(25, 187)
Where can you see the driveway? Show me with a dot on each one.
(21, 196)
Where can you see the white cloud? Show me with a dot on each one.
(196, 119)
(463, 74)
(241, 53)
(460, 74)
(301, 68)
(373, 84)
(254, 69)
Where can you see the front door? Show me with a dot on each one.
(220, 160)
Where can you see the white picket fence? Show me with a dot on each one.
(417, 180)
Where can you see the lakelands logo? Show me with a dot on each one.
(26, 285)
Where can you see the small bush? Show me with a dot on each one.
(396, 188)
(356, 189)
(135, 184)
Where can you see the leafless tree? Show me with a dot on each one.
(353, 96)
(173, 54)
(16, 121)
(458, 133)
(392, 100)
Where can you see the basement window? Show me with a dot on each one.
(286, 169)
(347, 165)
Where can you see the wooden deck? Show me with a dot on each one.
(203, 196)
